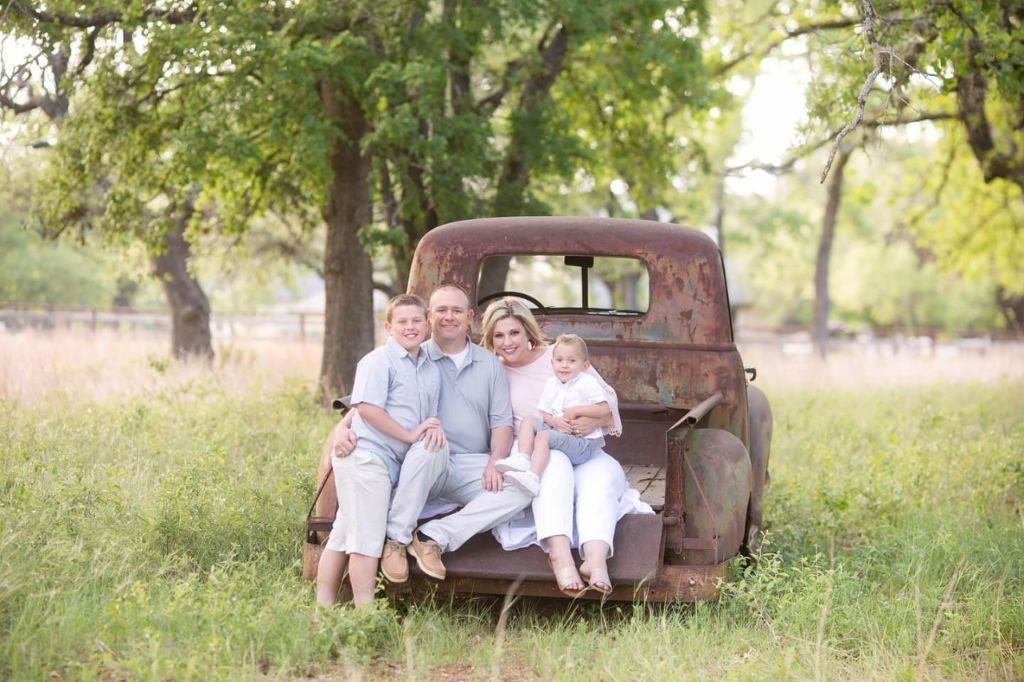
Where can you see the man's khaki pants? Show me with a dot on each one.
(456, 478)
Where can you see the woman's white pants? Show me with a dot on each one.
(595, 487)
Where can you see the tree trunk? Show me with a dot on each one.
(719, 217)
(190, 309)
(828, 230)
(1012, 308)
(510, 199)
(348, 271)
(971, 95)
(493, 275)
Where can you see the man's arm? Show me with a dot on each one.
(501, 443)
(500, 416)
(342, 440)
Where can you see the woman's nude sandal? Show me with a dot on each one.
(602, 587)
(566, 575)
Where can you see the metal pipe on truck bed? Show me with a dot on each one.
(696, 414)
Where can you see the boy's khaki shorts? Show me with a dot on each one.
(364, 496)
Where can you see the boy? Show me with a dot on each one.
(569, 387)
(395, 395)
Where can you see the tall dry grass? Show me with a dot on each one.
(880, 365)
(104, 365)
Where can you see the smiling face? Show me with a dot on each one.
(408, 326)
(567, 360)
(449, 317)
(511, 342)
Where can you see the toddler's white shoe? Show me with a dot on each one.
(527, 481)
(516, 462)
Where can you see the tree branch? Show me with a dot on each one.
(787, 165)
(106, 18)
(283, 248)
(971, 93)
(831, 25)
(491, 102)
(936, 197)
(547, 47)
(880, 55)
(90, 52)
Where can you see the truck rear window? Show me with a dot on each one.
(593, 285)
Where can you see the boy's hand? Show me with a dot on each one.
(434, 439)
(429, 423)
(343, 441)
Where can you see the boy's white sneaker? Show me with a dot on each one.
(527, 481)
(516, 462)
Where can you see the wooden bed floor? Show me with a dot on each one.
(650, 481)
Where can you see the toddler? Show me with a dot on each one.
(570, 387)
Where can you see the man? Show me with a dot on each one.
(476, 413)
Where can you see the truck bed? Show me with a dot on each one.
(650, 481)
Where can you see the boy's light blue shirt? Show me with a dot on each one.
(406, 388)
(474, 399)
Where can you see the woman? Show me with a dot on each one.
(590, 498)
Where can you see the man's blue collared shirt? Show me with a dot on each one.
(474, 398)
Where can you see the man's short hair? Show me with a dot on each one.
(573, 340)
(403, 299)
(456, 287)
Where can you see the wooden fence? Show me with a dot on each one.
(259, 326)
(792, 340)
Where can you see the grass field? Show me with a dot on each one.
(155, 533)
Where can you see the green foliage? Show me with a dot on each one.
(896, 260)
(961, 63)
(159, 537)
(470, 109)
(33, 270)
(974, 228)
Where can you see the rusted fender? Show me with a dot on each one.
(717, 485)
(761, 424)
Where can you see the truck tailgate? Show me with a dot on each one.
(638, 556)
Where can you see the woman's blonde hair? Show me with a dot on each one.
(505, 308)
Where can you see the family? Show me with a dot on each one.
(517, 423)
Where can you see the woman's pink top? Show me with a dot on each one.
(526, 383)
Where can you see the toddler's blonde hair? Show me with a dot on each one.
(573, 340)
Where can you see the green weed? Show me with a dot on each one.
(158, 537)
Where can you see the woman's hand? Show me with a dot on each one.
(583, 425)
(343, 441)
(560, 424)
(585, 418)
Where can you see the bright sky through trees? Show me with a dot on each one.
(772, 113)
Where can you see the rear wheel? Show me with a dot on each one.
(761, 424)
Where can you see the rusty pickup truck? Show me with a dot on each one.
(651, 301)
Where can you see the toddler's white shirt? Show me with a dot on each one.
(581, 390)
